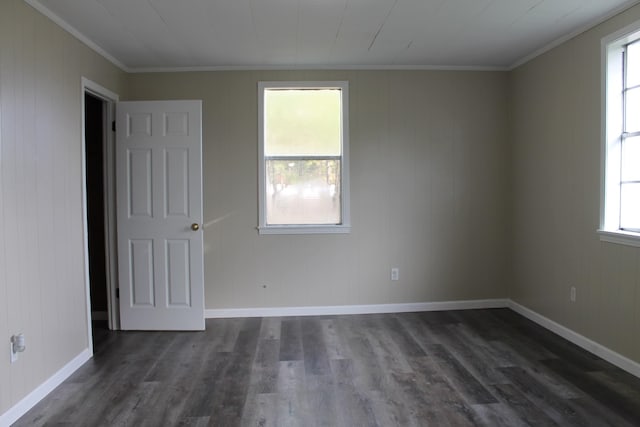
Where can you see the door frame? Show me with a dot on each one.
(110, 99)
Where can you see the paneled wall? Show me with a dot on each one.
(475, 184)
(42, 286)
(430, 191)
(555, 117)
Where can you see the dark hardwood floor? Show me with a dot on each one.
(453, 368)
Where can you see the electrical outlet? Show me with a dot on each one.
(16, 345)
(573, 294)
(13, 356)
(395, 273)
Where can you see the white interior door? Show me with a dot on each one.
(159, 213)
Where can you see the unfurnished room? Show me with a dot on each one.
(320, 213)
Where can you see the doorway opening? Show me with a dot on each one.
(98, 106)
(96, 237)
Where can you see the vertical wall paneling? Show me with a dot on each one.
(42, 285)
(556, 128)
(428, 170)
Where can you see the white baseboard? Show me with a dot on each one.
(591, 346)
(354, 309)
(599, 350)
(30, 400)
(605, 353)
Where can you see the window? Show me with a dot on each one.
(303, 157)
(620, 221)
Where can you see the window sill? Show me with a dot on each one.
(305, 229)
(620, 237)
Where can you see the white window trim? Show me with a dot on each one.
(345, 226)
(611, 97)
(620, 237)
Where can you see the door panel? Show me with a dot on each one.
(177, 170)
(139, 183)
(159, 183)
(141, 265)
(178, 267)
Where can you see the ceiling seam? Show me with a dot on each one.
(375, 37)
(169, 30)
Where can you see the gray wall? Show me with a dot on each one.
(555, 107)
(42, 286)
(429, 191)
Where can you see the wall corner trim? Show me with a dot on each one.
(593, 347)
(354, 309)
(30, 400)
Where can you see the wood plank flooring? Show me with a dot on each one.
(450, 368)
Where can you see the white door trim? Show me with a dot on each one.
(111, 98)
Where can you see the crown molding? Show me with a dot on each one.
(75, 33)
(583, 29)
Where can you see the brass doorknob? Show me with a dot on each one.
(195, 227)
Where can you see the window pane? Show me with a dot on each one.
(303, 192)
(633, 65)
(305, 122)
(630, 206)
(631, 159)
(632, 110)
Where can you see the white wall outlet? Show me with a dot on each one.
(395, 273)
(16, 345)
(12, 354)
(573, 294)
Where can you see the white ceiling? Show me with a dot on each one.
(173, 34)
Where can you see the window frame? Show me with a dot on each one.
(614, 88)
(345, 225)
